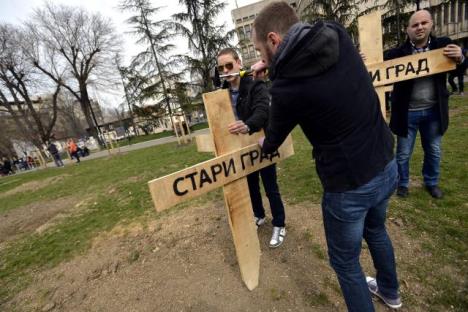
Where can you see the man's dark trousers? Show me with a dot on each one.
(268, 175)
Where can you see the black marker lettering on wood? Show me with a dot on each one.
(176, 189)
(422, 66)
(230, 166)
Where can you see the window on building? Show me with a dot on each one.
(245, 18)
(251, 16)
(452, 12)
(240, 32)
(446, 12)
(460, 11)
(239, 20)
(439, 16)
(245, 54)
(466, 11)
(248, 31)
(251, 51)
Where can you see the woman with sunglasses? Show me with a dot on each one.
(250, 103)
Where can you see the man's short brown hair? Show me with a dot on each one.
(276, 17)
(230, 51)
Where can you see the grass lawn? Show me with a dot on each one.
(144, 138)
(114, 191)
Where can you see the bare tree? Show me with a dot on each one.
(75, 49)
(71, 122)
(18, 80)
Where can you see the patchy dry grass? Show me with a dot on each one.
(117, 186)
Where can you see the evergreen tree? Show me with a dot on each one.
(153, 65)
(344, 12)
(205, 38)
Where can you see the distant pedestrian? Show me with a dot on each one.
(458, 73)
(16, 163)
(73, 150)
(55, 154)
(6, 167)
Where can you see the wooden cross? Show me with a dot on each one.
(178, 122)
(384, 74)
(236, 157)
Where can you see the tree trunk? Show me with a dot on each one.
(398, 23)
(89, 115)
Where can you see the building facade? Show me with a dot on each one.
(450, 19)
(243, 19)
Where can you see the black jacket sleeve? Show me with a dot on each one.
(280, 124)
(259, 101)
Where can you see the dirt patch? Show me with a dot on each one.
(37, 216)
(33, 186)
(185, 261)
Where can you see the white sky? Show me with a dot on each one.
(16, 11)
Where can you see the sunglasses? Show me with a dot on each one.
(228, 66)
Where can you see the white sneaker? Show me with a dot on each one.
(374, 289)
(259, 221)
(277, 237)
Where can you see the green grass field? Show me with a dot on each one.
(114, 191)
(154, 136)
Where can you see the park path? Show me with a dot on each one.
(123, 149)
(137, 146)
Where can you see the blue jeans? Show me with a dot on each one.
(349, 217)
(428, 123)
(270, 184)
(58, 160)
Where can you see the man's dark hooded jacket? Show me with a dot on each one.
(320, 82)
(402, 91)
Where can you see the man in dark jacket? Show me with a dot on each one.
(459, 73)
(55, 154)
(6, 167)
(250, 103)
(321, 84)
(421, 104)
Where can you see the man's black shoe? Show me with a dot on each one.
(402, 191)
(434, 191)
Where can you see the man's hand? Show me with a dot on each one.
(238, 127)
(454, 52)
(260, 141)
(259, 70)
(363, 56)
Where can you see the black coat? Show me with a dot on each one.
(253, 103)
(401, 94)
(52, 149)
(320, 82)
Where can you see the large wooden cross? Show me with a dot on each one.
(236, 157)
(384, 74)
